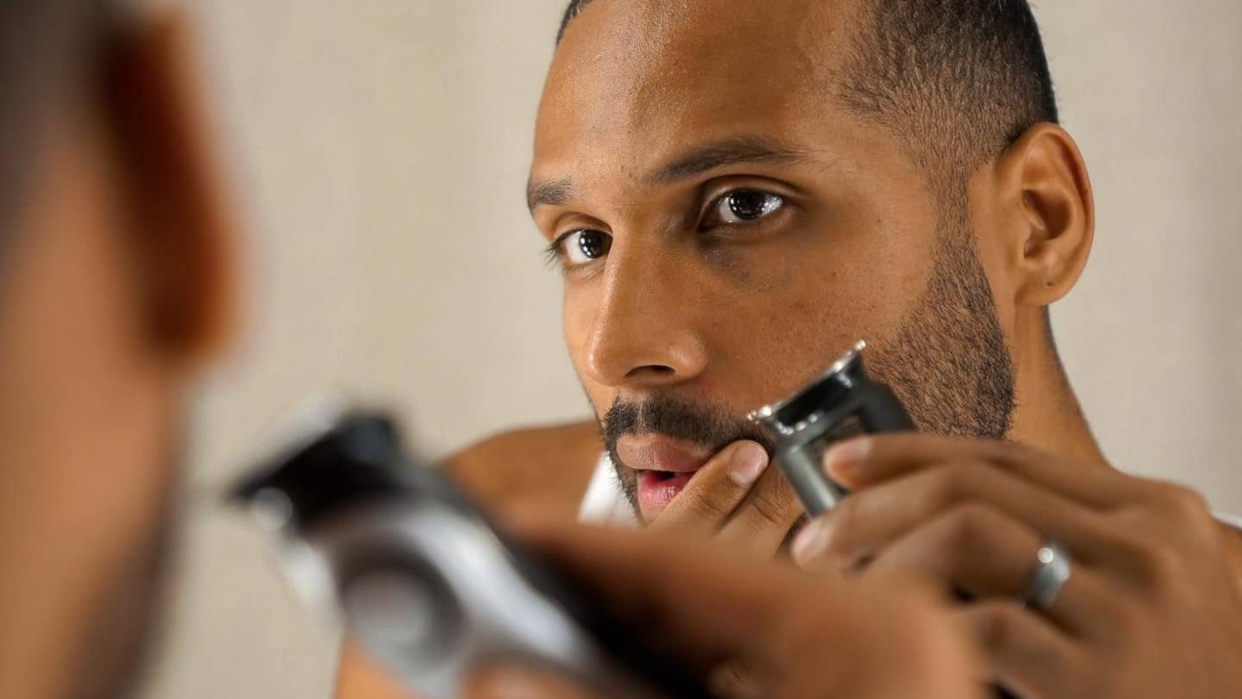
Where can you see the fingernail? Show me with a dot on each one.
(811, 541)
(841, 458)
(747, 464)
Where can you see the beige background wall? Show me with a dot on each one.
(381, 149)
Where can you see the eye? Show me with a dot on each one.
(744, 206)
(584, 246)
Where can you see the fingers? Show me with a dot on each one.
(715, 491)
(867, 461)
(676, 589)
(1024, 652)
(973, 548)
(761, 524)
(792, 634)
(978, 550)
(870, 520)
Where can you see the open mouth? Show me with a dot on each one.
(663, 466)
(657, 489)
(661, 476)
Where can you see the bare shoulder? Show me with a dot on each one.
(549, 466)
(545, 466)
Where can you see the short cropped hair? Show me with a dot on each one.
(957, 81)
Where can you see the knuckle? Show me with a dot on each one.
(1153, 537)
(1127, 520)
(998, 628)
(1126, 616)
(1003, 633)
(1158, 567)
(707, 508)
(1095, 683)
(1001, 448)
(1133, 529)
(708, 503)
(952, 483)
(775, 503)
(842, 534)
(1130, 539)
(967, 527)
(729, 680)
(1186, 504)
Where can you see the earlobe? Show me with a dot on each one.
(1056, 214)
(182, 227)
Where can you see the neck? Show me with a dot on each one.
(1048, 415)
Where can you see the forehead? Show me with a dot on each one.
(664, 74)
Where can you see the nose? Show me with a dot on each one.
(643, 334)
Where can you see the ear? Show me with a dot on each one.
(182, 227)
(1049, 207)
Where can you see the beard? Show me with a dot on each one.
(947, 363)
(698, 423)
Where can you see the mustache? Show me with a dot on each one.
(709, 425)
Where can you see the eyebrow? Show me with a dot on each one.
(550, 192)
(734, 151)
(697, 162)
(720, 154)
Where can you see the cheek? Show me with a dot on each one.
(808, 299)
(995, 257)
(577, 323)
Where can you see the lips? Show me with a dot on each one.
(656, 490)
(664, 467)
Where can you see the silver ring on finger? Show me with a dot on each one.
(1053, 566)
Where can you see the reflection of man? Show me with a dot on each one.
(736, 192)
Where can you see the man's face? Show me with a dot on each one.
(727, 231)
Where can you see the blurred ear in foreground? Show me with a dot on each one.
(183, 228)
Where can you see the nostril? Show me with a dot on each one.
(653, 371)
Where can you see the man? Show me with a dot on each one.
(115, 287)
(738, 191)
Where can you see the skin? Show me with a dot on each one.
(116, 289)
(474, 469)
(781, 624)
(1151, 608)
(735, 316)
(744, 315)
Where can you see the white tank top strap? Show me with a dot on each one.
(605, 502)
(1230, 520)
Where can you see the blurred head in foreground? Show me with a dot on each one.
(115, 287)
